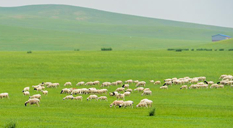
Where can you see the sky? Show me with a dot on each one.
(210, 12)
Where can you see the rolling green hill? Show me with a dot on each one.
(62, 27)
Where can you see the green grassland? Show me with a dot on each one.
(174, 107)
(52, 32)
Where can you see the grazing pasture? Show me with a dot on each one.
(173, 107)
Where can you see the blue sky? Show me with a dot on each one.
(211, 12)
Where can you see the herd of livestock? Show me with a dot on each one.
(123, 91)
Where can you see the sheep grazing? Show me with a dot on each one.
(4, 95)
(129, 90)
(164, 87)
(148, 102)
(106, 84)
(53, 85)
(38, 96)
(113, 93)
(125, 86)
(75, 92)
(116, 103)
(26, 93)
(127, 93)
(157, 83)
(33, 101)
(90, 83)
(168, 83)
(77, 98)
(120, 96)
(119, 82)
(68, 97)
(26, 89)
(136, 81)
(102, 98)
(126, 104)
(143, 104)
(47, 83)
(68, 84)
(152, 81)
(120, 89)
(92, 97)
(194, 80)
(194, 86)
(141, 83)
(148, 92)
(45, 92)
(65, 90)
(96, 82)
(184, 87)
(80, 83)
(139, 89)
(129, 81)
(114, 83)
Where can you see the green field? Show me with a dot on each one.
(52, 32)
(174, 107)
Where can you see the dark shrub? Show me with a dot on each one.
(152, 112)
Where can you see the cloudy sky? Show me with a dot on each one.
(211, 12)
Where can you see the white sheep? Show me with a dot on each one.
(157, 83)
(129, 90)
(78, 98)
(147, 93)
(127, 93)
(120, 89)
(125, 86)
(33, 101)
(4, 95)
(68, 83)
(142, 104)
(139, 89)
(141, 83)
(152, 81)
(184, 87)
(75, 92)
(113, 93)
(129, 81)
(80, 83)
(164, 87)
(68, 97)
(126, 104)
(65, 90)
(102, 98)
(120, 96)
(26, 89)
(96, 82)
(116, 103)
(90, 83)
(147, 101)
(114, 83)
(26, 93)
(92, 97)
(38, 96)
(106, 84)
(119, 82)
(45, 92)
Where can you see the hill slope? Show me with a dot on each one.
(61, 27)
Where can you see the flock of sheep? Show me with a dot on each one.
(121, 92)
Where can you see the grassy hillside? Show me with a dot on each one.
(225, 44)
(174, 107)
(49, 27)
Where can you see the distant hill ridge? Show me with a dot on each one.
(48, 27)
